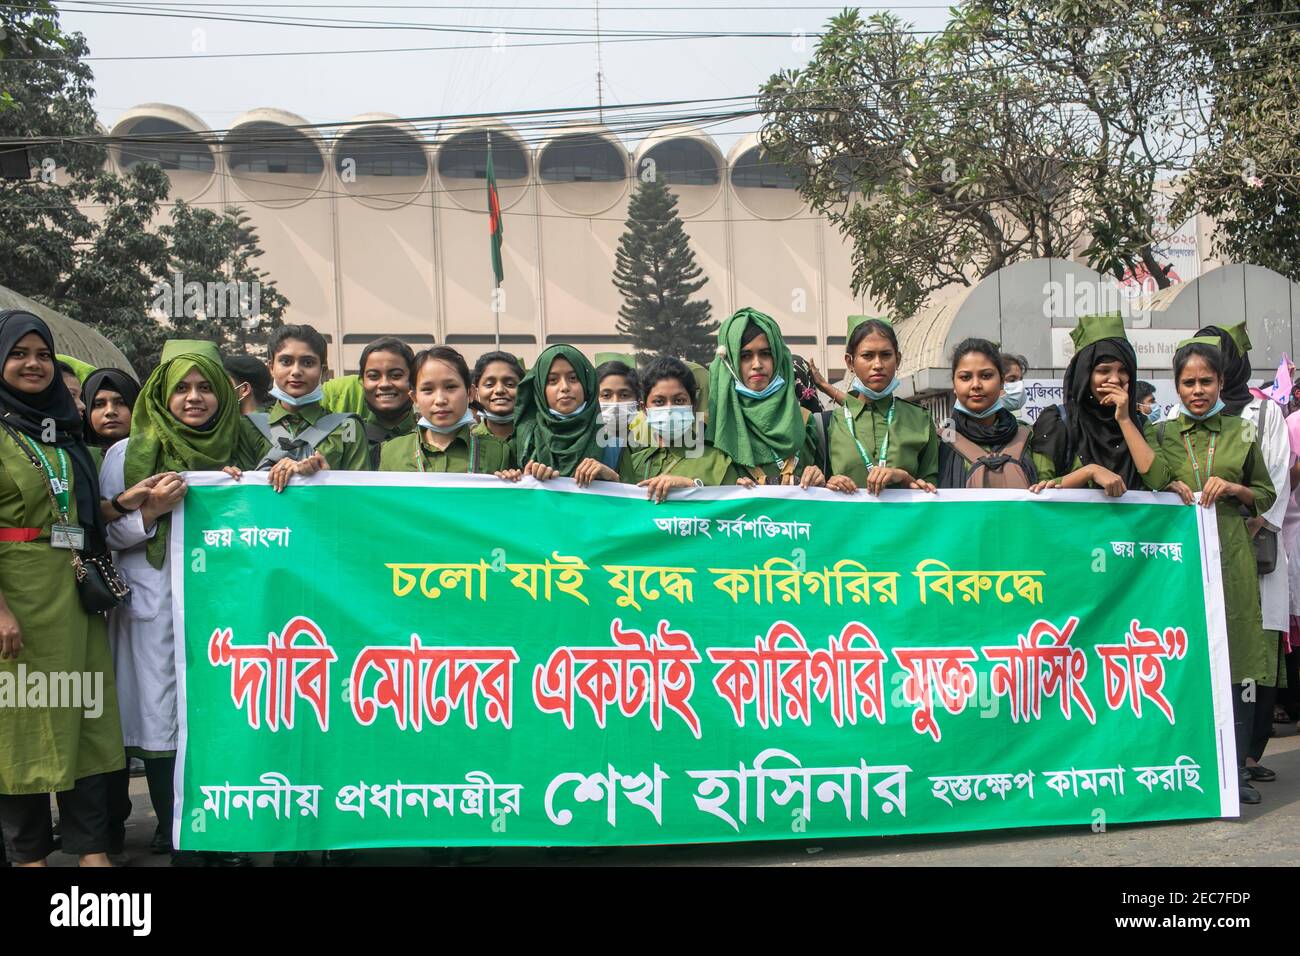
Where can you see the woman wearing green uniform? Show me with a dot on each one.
(496, 381)
(380, 395)
(1201, 449)
(49, 503)
(674, 456)
(1081, 444)
(445, 441)
(876, 440)
(557, 417)
(297, 364)
(754, 413)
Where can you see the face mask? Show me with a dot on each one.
(670, 423)
(499, 419)
(313, 396)
(991, 410)
(1013, 396)
(466, 419)
(773, 387)
(874, 395)
(1218, 407)
(612, 413)
(565, 416)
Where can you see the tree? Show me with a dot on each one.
(1248, 175)
(656, 272)
(1016, 132)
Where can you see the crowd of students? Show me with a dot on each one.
(95, 468)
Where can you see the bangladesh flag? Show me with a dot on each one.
(496, 227)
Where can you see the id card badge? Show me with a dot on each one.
(68, 536)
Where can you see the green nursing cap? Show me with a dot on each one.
(1094, 328)
(627, 358)
(1238, 334)
(174, 348)
(855, 320)
(1210, 340)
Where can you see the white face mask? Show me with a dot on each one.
(613, 413)
(1013, 395)
(672, 423)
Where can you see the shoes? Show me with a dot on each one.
(161, 842)
(230, 859)
(135, 767)
(1249, 795)
(1261, 773)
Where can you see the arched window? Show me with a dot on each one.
(682, 162)
(380, 151)
(755, 170)
(167, 143)
(269, 148)
(464, 156)
(580, 158)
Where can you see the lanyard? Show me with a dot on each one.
(1209, 460)
(884, 446)
(58, 485)
(473, 454)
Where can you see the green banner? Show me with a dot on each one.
(406, 660)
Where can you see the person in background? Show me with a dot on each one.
(299, 437)
(619, 393)
(1083, 442)
(380, 395)
(877, 440)
(754, 413)
(108, 395)
(668, 459)
(252, 381)
(68, 375)
(1146, 402)
(495, 391)
(1201, 448)
(49, 502)
(187, 420)
(1274, 588)
(1014, 368)
(987, 446)
(445, 441)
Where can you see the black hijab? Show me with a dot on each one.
(1236, 372)
(115, 380)
(1090, 431)
(31, 414)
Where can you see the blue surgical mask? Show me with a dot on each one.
(670, 423)
(466, 419)
(991, 410)
(1218, 407)
(565, 416)
(499, 419)
(875, 396)
(773, 387)
(1013, 396)
(313, 396)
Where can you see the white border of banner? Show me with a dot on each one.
(1207, 526)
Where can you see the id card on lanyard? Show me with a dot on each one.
(884, 445)
(63, 533)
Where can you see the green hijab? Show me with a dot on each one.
(753, 431)
(539, 435)
(160, 442)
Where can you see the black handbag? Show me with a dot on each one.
(1265, 542)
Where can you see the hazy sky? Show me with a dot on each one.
(504, 76)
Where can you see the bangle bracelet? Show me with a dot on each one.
(117, 505)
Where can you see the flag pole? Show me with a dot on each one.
(496, 285)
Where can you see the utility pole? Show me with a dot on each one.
(600, 71)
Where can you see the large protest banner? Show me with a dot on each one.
(406, 660)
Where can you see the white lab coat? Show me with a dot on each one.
(140, 634)
(1275, 443)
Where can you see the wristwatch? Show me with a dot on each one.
(117, 505)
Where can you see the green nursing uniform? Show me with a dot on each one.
(347, 393)
(44, 749)
(482, 431)
(468, 453)
(913, 441)
(712, 468)
(1252, 652)
(809, 453)
(341, 454)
